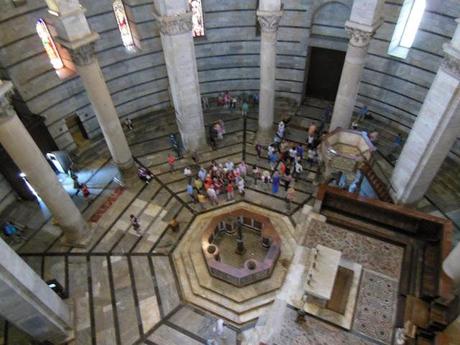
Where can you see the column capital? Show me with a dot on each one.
(269, 20)
(176, 24)
(84, 54)
(360, 35)
(6, 91)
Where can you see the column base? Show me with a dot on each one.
(126, 166)
(264, 136)
(79, 242)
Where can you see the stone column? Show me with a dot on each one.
(360, 36)
(269, 15)
(365, 18)
(451, 265)
(175, 20)
(28, 303)
(434, 131)
(75, 34)
(21, 147)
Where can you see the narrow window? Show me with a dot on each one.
(197, 17)
(48, 43)
(407, 27)
(124, 26)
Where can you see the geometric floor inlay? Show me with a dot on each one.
(376, 308)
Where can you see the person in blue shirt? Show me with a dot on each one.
(363, 112)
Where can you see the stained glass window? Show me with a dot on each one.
(123, 25)
(48, 43)
(197, 17)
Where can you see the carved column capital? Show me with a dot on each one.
(6, 91)
(269, 20)
(83, 55)
(175, 25)
(358, 37)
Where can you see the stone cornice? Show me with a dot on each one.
(83, 55)
(6, 91)
(176, 24)
(269, 20)
(451, 62)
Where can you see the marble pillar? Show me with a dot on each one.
(74, 34)
(451, 265)
(434, 131)
(175, 20)
(269, 15)
(355, 59)
(91, 76)
(25, 153)
(28, 303)
(365, 17)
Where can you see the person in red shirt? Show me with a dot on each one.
(171, 161)
(85, 190)
(230, 193)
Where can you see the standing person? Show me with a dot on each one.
(258, 151)
(85, 190)
(201, 200)
(175, 145)
(327, 114)
(311, 156)
(292, 154)
(76, 183)
(282, 168)
(287, 180)
(363, 112)
(244, 108)
(256, 173)
(266, 179)
(298, 168)
(290, 195)
(187, 172)
(195, 158)
(276, 182)
(243, 168)
(135, 223)
(373, 136)
(230, 192)
(241, 186)
(171, 161)
(234, 103)
(213, 137)
(300, 151)
(212, 195)
(205, 102)
(129, 124)
(272, 158)
(191, 192)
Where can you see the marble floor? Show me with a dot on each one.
(124, 287)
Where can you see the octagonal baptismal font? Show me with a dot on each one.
(232, 261)
(241, 247)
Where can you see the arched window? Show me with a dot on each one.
(123, 25)
(48, 43)
(197, 17)
(407, 27)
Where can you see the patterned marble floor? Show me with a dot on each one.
(123, 287)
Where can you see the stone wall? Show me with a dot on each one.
(7, 195)
(137, 81)
(227, 58)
